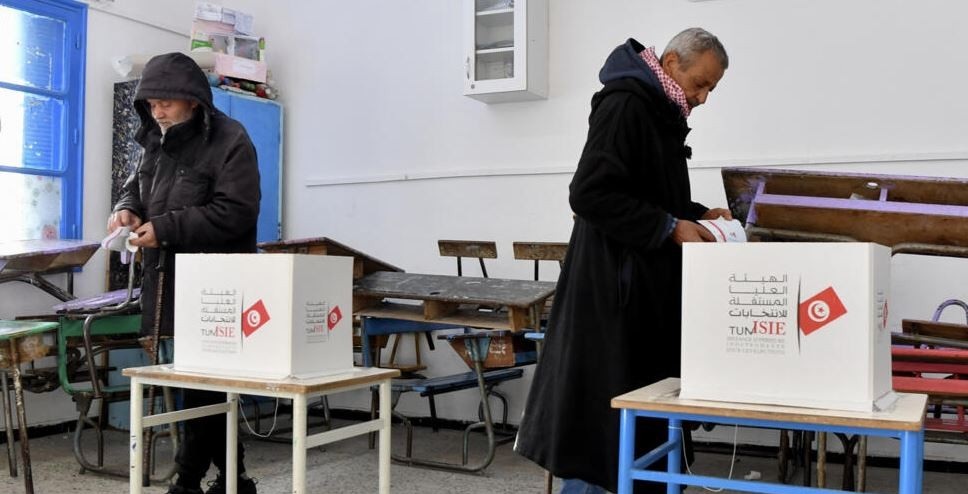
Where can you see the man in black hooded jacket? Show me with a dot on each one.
(195, 190)
(615, 323)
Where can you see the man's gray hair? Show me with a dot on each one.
(694, 42)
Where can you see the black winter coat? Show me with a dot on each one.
(199, 186)
(615, 323)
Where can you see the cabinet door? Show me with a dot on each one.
(262, 119)
(495, 44)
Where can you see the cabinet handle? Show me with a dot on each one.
(467, 67)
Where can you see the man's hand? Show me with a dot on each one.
(687, 231)
(716, 213)
(146, 236)
(123, 217)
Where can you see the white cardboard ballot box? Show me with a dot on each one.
(798, 324)
(263, 315)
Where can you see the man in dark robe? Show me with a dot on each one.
(615, 323)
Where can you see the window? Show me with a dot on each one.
(42, 45)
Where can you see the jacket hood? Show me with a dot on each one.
(172, 76)
(625, 61)
(625, 71)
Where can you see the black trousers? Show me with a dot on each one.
(204, 440)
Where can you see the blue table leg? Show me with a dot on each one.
(365, 343)
(920, 440)
(912, 462)
(674, 460)
(626, 451)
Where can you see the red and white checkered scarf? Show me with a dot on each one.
(669, 85)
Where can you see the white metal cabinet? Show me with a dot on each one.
(506, 50)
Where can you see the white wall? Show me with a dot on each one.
(379, 138)
(384, 153)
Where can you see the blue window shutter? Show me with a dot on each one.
(54, 95)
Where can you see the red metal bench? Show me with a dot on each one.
(941, 373)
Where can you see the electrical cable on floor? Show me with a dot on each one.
(732, 462)
(275, 415)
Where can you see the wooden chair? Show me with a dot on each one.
(537, 252)
(541, 251)
(468, 248)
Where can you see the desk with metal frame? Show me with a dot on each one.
(12, 333)
(297, 390)
(450, 302)
(905, 421)
(27, 260)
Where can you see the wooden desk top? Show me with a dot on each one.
(39, 256)
(454, 289)
(358, 376)
(663, 396)
(19, 329)
(463, 301)
(327, 246)
(890, 210)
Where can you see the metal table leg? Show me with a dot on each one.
(8, 419)
(822, 459)
(299, 410)
(385, 414)
(626, 450)
(232, 442)
(912, 458)
(136, 437)
(21, 417)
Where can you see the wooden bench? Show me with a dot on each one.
(936, 389)
(930, 360)
(432, 386)
(948, 393)
(455, 382)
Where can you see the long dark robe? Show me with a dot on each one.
(615, 323)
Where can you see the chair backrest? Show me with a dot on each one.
(541, 251)
(949, 303)
(468, 248)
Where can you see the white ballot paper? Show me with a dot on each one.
(120, 241)
(725, 230)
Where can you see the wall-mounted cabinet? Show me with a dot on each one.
(506, 50)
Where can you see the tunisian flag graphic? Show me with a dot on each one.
(820, 310)
(334, 317)
(254, 317)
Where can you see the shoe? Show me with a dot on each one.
(180, 489)
(245, 485)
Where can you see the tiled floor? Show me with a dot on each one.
(350, 467)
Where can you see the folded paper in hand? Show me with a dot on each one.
(725, 230)
(120, 241)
